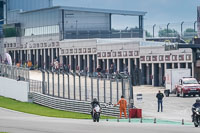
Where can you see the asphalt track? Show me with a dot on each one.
(17, 122)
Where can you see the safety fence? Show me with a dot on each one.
(72, 105)
(13, 72)
(84, 88)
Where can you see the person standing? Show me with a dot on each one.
(160, 96)
(122, 106)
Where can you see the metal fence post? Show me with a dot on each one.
(104, 87)
(110, 90)
(85, 87)
(79, 87)
(98, 89)
(58, 83)
(43, 81)
(131, 93)
(63, 84)
(117, 90)
(52, 82)
(92, 88)
(74, 86)
(123, 87)
(47, 80)
(68, 85)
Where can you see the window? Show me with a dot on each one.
(42, 30)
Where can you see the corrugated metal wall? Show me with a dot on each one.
(86, 21)
(27, 5)
(36, 19)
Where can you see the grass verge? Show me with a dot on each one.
(36, 109)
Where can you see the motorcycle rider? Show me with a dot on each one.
(195, 105)
(93, 104)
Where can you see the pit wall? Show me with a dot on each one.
(14, 89)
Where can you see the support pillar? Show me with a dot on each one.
(186, 65)
(21, 56)
(153, 74)
(107, 67)
(179, 65)
(44, 58)
(118, 65)
(70, 62)
(160, 74)
(79, 62)
(14, 57)
(88, 62)
(148, 74)
(129, 65)
(37, 57)
(193, 69)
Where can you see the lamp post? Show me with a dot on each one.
(168, 29)
(76, 27)
(182, 28)
(154, 28)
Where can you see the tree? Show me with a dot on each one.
(169, 33)
(189, 32)
(148, 34)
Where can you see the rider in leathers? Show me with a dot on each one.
(93, 103)
(195, 105)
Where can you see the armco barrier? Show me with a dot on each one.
(71, 105)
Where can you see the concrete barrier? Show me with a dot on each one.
(14, 89)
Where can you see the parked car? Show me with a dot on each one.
(187, 86)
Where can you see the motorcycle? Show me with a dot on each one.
(96, 113)
(197, 117)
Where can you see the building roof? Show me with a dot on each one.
(108, 11)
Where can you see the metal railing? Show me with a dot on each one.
(13, 72)
(72, 105)
(84, 88)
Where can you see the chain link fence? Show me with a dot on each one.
(185, 30)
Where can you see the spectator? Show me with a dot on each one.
(160, 96)
(111, 71)
(77, 69)
(99, 70)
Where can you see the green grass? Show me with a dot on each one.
(41, 110)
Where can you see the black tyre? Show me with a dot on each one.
(177, 94)
(194, 95)
(195, 124)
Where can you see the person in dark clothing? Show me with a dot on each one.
(93, 104)
(99, 70)
(194, 106)
(160, 96)
(111, 71)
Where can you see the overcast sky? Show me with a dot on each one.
(158, 11)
